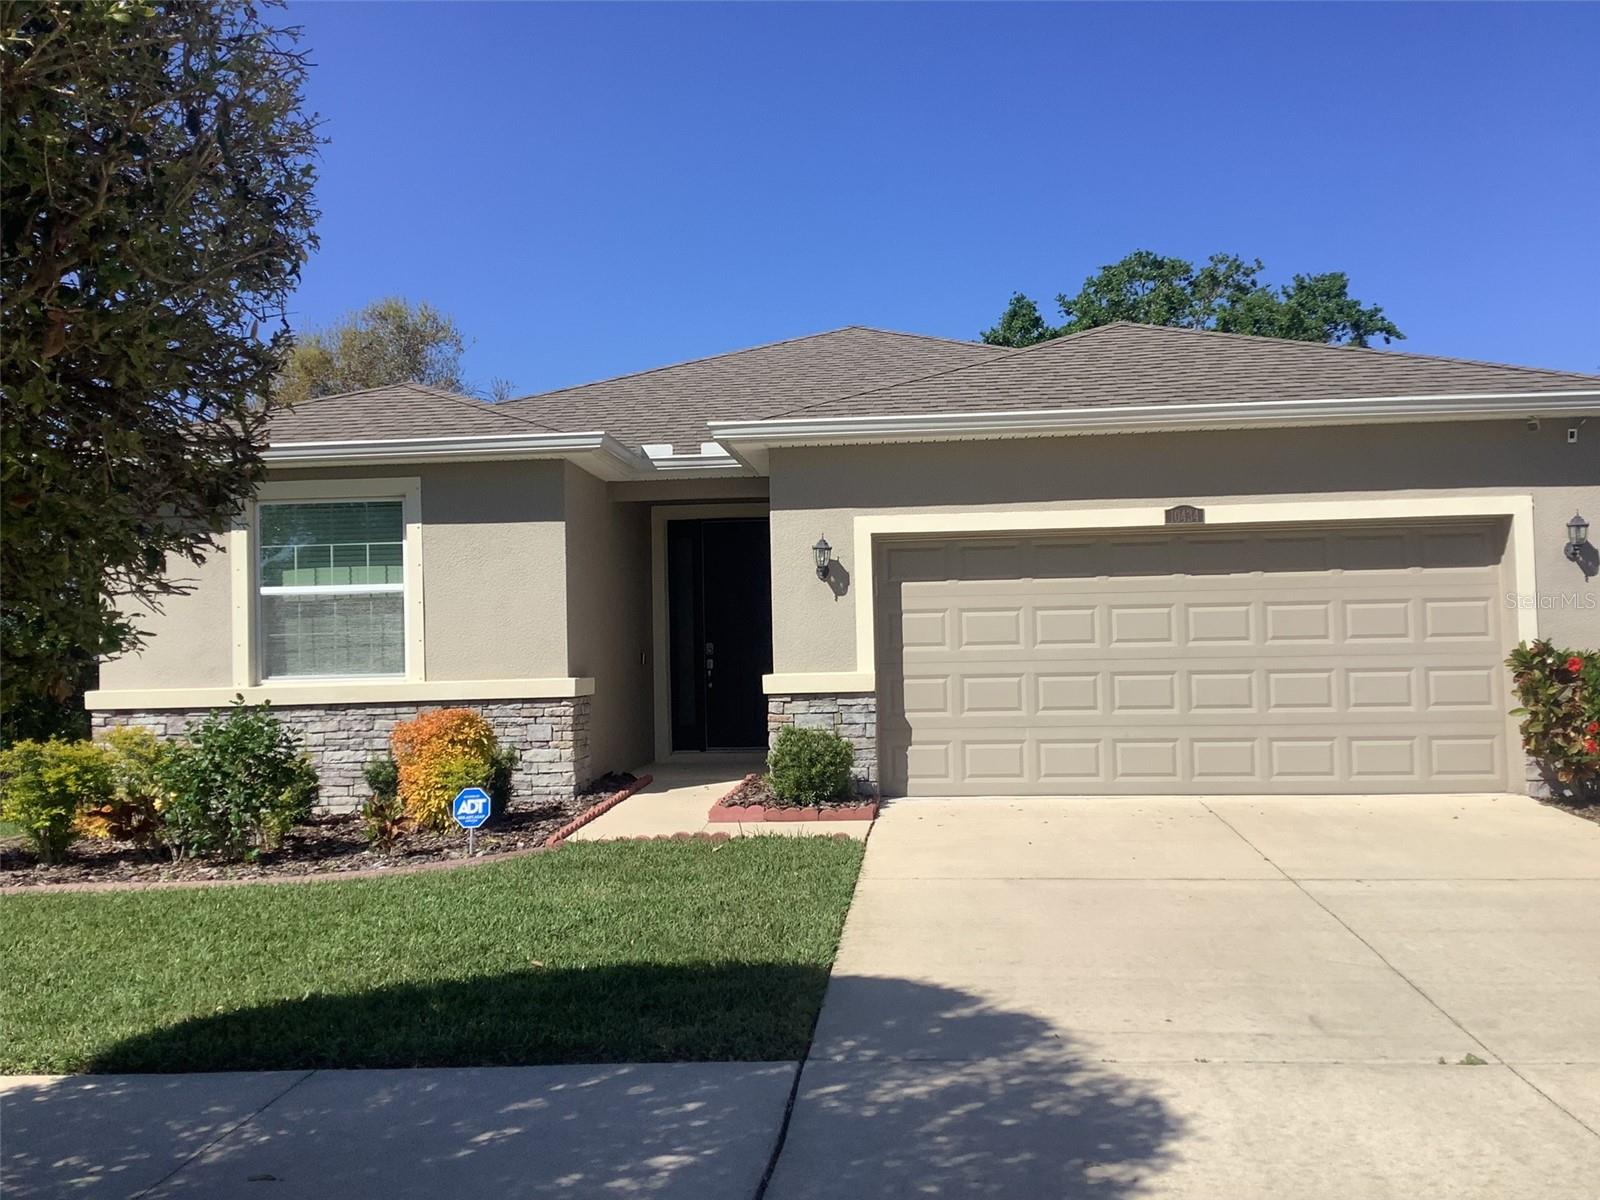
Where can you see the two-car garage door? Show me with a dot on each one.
(1356, 659)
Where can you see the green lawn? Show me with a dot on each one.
(632, 951)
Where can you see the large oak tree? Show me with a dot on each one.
(156, 175)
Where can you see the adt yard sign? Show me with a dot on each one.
(470, 808)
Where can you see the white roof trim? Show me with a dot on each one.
(749, 441)
(597, 452)
(712, 456)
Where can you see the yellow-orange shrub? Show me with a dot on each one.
(438, 754)
(133, 812)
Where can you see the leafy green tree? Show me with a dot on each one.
(1019, 325)
(1227, 294)
(156, 178)
(388, 341)
(1312, 308)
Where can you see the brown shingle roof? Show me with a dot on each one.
(1148, 364)
(857, 371)
(401, 410)
(673, 403)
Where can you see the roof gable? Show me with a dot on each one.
(674, 403)
(395, 412)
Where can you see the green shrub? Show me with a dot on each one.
(133, 813)
(382, 775)
(810, 766)
(44, 784)
(1559, 694)
(236, 785)
(383, 815)
(1589, 693)
(501, 764)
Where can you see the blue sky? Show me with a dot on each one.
(596, 189)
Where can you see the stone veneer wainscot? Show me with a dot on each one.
(853, 716)
(551, 738)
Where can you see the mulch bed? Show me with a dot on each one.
(753, 800)
(327, 845)
(752, 789)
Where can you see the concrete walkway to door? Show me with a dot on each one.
(1262, 997)
(682, 791)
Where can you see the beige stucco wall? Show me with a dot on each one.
(680, 490)
(819, 491)
(494, 553)
(608, 606)
(190, 638)
(494, 570)
(509, 549)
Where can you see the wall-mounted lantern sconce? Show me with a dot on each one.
(822, 552)
(1577, 537)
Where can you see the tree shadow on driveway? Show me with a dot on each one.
(987, 1102)
(914, 1090)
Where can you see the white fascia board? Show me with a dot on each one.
(698, 463)
(597, 452)
(711, 456)
(749, 441)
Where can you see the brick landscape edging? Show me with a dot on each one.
(154, 885)
(750, 814)
(703, 836)
(445, 864)
(596, 810)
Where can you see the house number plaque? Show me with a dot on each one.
(1186, 514)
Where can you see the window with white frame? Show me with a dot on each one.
(331, 576)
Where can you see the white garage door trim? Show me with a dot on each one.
(870, 530)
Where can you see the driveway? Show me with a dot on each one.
(1291, 998)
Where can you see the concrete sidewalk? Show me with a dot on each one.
(691, 1131)
(682, 792)
(1273, 998)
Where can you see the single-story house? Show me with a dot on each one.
(1132, 560)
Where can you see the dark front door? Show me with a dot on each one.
(719, 612)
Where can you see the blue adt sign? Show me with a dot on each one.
(470, 808)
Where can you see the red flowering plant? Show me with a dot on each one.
(1559, 691)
